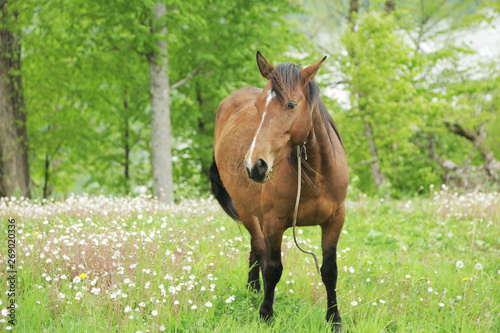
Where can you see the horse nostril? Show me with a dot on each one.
(261, 166)
(249, 172)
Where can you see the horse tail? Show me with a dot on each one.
(220, 193)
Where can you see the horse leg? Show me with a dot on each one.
(257, 251)
(271, 270)
(253, 274)
(330, 235)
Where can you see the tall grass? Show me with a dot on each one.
(100, 264)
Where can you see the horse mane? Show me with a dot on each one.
(284, 78)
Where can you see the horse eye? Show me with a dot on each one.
(291, 105)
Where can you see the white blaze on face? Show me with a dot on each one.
(270, 95)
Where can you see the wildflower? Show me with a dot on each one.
(61, 295)
(441, 304)
(354, 303)
(5, 312)
(77, 279)
(230, 299)
(154, 313)
(194, 307)
(459, 264)
(382, 301)
(162, 328)
(478, 266)
(408, 276)
(208, 304)
(127, 309)
(351, 269)
(48, 278)
(83, 276)
(142, 304)
(176, 302)
(465, 278)
(78, 295)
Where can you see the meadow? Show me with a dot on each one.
(107, 264)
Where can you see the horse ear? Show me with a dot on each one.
(264, 66)
(308, 73)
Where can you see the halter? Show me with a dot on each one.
(300, 148)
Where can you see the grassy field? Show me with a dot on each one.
(100, 264)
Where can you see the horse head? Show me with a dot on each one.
(285, 114)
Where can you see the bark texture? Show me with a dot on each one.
(14, 167)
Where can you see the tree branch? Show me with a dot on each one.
(187, 78)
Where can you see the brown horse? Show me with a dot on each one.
(256, 133)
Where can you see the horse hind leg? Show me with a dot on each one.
(330, 235)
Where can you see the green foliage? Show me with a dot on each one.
(85, 72)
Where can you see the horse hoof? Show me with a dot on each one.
(266, 313)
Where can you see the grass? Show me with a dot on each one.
(99, 264)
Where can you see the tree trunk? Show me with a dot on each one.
(126, 145)
(160, 111)
(378, 176)
(14, 167)
(478, 138)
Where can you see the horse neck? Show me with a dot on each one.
(319, 148)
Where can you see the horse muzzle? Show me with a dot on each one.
(259, 172)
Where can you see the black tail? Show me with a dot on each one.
(221, 194)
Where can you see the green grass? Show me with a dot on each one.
(183, 269)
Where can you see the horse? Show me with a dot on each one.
(255, 168)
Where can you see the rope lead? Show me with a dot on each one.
(295, 213)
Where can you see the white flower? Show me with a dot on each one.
(162, 328)
(142, 304)
(429, 289)
(5, 312)
(154, 313)
(354, 303)
(194, 307)
(230, 299)
(478, 266)
(408, 276)
(459, 264)
(127, 309)
(351, 269)
(63, 277)
(48, 278)
(441, 304)
(208, 304)
(61, 295)
(78, 296)
(77, 279)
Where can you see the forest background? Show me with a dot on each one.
(119, 97)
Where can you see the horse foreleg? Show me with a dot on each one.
(253, 274)
(257, 252)
(271, 271)
(330, 235)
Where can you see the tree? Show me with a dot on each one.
(14, 167)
